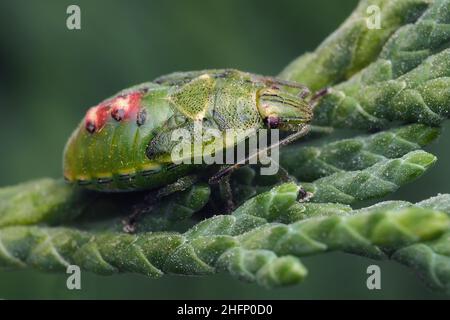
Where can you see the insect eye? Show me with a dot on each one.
(272, 122)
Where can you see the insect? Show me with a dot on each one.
(124, 143)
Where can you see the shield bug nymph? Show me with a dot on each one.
(123, 143)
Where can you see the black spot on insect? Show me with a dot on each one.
(172, 166)
(141, 117)
(83, 182)
(147, 173)
(118, 114)
(90, 127)
(125, 177)
(104, 180)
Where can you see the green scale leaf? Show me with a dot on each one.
(250, 244)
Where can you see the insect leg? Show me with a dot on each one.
(228, 170)
(317, 95)
(303, 195)
(284, 174)
(180, 185)
(226, 193)
(150, 200)
(321, 130)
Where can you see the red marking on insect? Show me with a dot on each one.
(96, 118)
(126, 106)
(122, 107)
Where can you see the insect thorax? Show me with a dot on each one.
(227, 102)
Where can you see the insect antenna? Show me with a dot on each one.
(317, 95)
(304, 92)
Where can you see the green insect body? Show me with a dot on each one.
(124, 143)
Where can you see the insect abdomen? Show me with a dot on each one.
(107, 150)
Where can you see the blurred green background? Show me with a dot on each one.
(50, 75)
